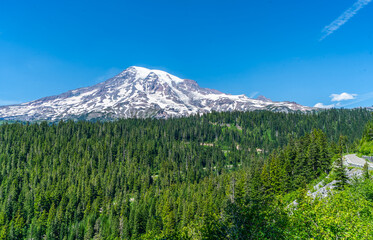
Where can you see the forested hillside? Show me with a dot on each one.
(216, 176)
(366, 144)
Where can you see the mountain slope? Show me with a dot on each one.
(139, 92)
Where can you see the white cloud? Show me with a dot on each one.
(349, 13)
(361, 98)
(342, 97)
(321, 105)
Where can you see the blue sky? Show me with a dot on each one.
(301, 51)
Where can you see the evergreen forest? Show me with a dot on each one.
(229, 175)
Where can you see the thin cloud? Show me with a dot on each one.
(321, 105)
(362, 98)
(8, 102)
(252, 95)
(342, 97)
(108, 74)
(347, 15)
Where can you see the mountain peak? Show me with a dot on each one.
(144, 73)
(140, 92)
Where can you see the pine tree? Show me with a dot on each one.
(366, 171)
(340, 169)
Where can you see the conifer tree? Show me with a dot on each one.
(340, 169)
(366, 171)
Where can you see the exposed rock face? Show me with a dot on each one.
(324, 191)
(139, 92)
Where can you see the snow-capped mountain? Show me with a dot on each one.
(139, 92)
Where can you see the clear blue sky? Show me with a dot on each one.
(265, 47)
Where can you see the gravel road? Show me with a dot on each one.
(355, 161)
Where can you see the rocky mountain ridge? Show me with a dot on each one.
(140, 92)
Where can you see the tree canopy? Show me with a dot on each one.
(216, 176)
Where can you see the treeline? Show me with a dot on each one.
(189, 178)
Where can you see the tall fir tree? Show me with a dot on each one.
(340, 168)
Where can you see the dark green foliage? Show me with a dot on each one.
(366, 146)
(201, 177)
(340, 169)
(366, 171)
(366, 143)
(297, 164)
